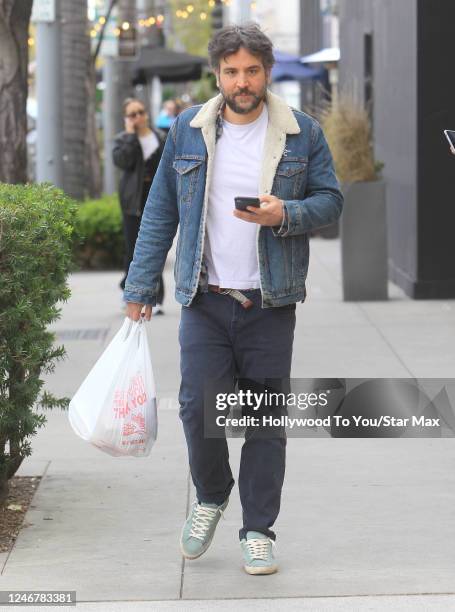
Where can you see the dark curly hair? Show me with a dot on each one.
(127, 101)
(231, 38)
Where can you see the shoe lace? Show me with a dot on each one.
(258, 548)
(202, 517)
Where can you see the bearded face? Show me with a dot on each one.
(242, 81)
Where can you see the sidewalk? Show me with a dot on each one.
(361, 520)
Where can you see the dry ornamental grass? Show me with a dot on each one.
(347, 129)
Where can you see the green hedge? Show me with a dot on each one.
(36, 242)
(99, 236)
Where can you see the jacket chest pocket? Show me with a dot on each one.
(290, 177)
(188, 170)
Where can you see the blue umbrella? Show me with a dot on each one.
(288, 67)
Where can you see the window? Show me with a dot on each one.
(368, 73)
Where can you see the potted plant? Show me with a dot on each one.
(347, 127)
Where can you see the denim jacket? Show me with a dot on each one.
(296, 167)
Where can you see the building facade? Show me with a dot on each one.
(396, 56)
(283, 28)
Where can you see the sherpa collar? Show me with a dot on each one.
(280, 115)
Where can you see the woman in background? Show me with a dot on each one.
(137, 152)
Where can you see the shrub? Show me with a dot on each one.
(99, 236)
(36, 225)
(204, 88)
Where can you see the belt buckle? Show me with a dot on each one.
(240, 297)
(236, 295)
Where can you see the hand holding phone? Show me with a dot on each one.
(130, 125)
(265, 210)
(241, 203)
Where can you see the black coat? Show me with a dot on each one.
(127, 155)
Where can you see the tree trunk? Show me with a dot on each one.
(14, 21)
(75, 65)
(4, 489)
(15, 459)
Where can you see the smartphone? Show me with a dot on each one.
(241, 203)
(450, 135)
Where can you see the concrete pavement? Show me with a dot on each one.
(365, 524)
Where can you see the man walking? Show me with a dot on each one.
(238, 273)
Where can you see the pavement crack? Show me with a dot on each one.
(386, 340)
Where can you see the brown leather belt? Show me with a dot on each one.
(234, 293)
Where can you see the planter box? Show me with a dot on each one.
(364, 241)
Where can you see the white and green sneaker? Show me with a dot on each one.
(257, 551)
(199, 528)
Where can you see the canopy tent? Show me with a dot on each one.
(288, 67)
(170, 66)
(324, 56)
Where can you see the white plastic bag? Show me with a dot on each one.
(115, 407)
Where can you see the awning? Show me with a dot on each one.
(288, 67)
(170, 66)
(324, 56)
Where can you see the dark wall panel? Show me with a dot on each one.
(436, 166)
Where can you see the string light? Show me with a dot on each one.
(159, 19)
(31, 42)
(253, 6)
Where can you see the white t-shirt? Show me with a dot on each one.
(149, 144)
(230, 243)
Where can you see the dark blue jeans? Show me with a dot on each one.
(220, 340)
